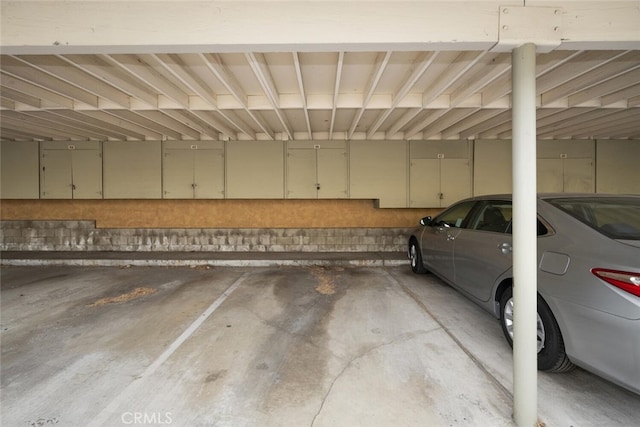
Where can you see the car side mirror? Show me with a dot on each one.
(425, 221)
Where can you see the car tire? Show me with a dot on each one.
(551, 352)
(416, 258)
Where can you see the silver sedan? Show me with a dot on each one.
(588, 274)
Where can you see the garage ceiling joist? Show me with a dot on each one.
(229, 70)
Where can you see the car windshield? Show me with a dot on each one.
(615, 217)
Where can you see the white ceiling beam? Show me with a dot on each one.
(579, 64)
(431, 117)
(181, 72)
(74, 120)
(606, 69)
(464, 62)
(219, 70)
(16, 135)
(610, 124)
(47, 127)
(14, 95)
(451, 117)
(142, 70)
(402, 121)
(21, 124)
(627, 131)
(127, 126)
(7, 104)
(477, 130)
(232, 117)
(453, 70)
(62, 69)
(633, 102)
(480, 116)
(381, 62)
(139, 119)
(551, 116)
(107, 128)
(106, 68)
(490, 68)
(224, 128)
(336, 91)
(18, 68)
(186, 26)
(106, 121)
(423, 62)
(626, 93)
(303, 95)
(45, 118)
(575, 121)
(618, 85)
(500, 126)
(547, 62)
(108, 26)
(191, 120)
(170, 123)
(258, 64)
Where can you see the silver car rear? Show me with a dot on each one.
(588, 279)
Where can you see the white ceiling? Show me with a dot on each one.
(288, 94)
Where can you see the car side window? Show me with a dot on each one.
(541, 231)
(494, 216)
(455, 216)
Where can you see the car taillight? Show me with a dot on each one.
(624, 280)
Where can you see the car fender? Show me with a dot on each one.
(504, 281)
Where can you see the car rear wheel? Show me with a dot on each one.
(416, 258)
(551, 352)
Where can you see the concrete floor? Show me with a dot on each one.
(276, 346)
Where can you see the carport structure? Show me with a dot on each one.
(330, 71)
(297, 70)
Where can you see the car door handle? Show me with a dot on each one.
(505, 248)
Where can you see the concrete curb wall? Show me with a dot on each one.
(203, 263)
(84, 236)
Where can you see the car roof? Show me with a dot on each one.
(547, 196)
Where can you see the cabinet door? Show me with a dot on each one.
(492, 167)
(378, 170)
(132, 170)
(455, 180)
(550, 176)
(86, 166)
(255, 170)
(177, 174)
(424, 183)
(19, 177)
(579, 176)
(332, 173)
(617, 166)
(208, 175)
(56, 177)
(302, 176)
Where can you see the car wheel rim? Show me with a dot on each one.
(508, 323)
(413, 256)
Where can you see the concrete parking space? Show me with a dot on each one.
(266, 346)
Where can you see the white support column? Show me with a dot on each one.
(525, 380)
